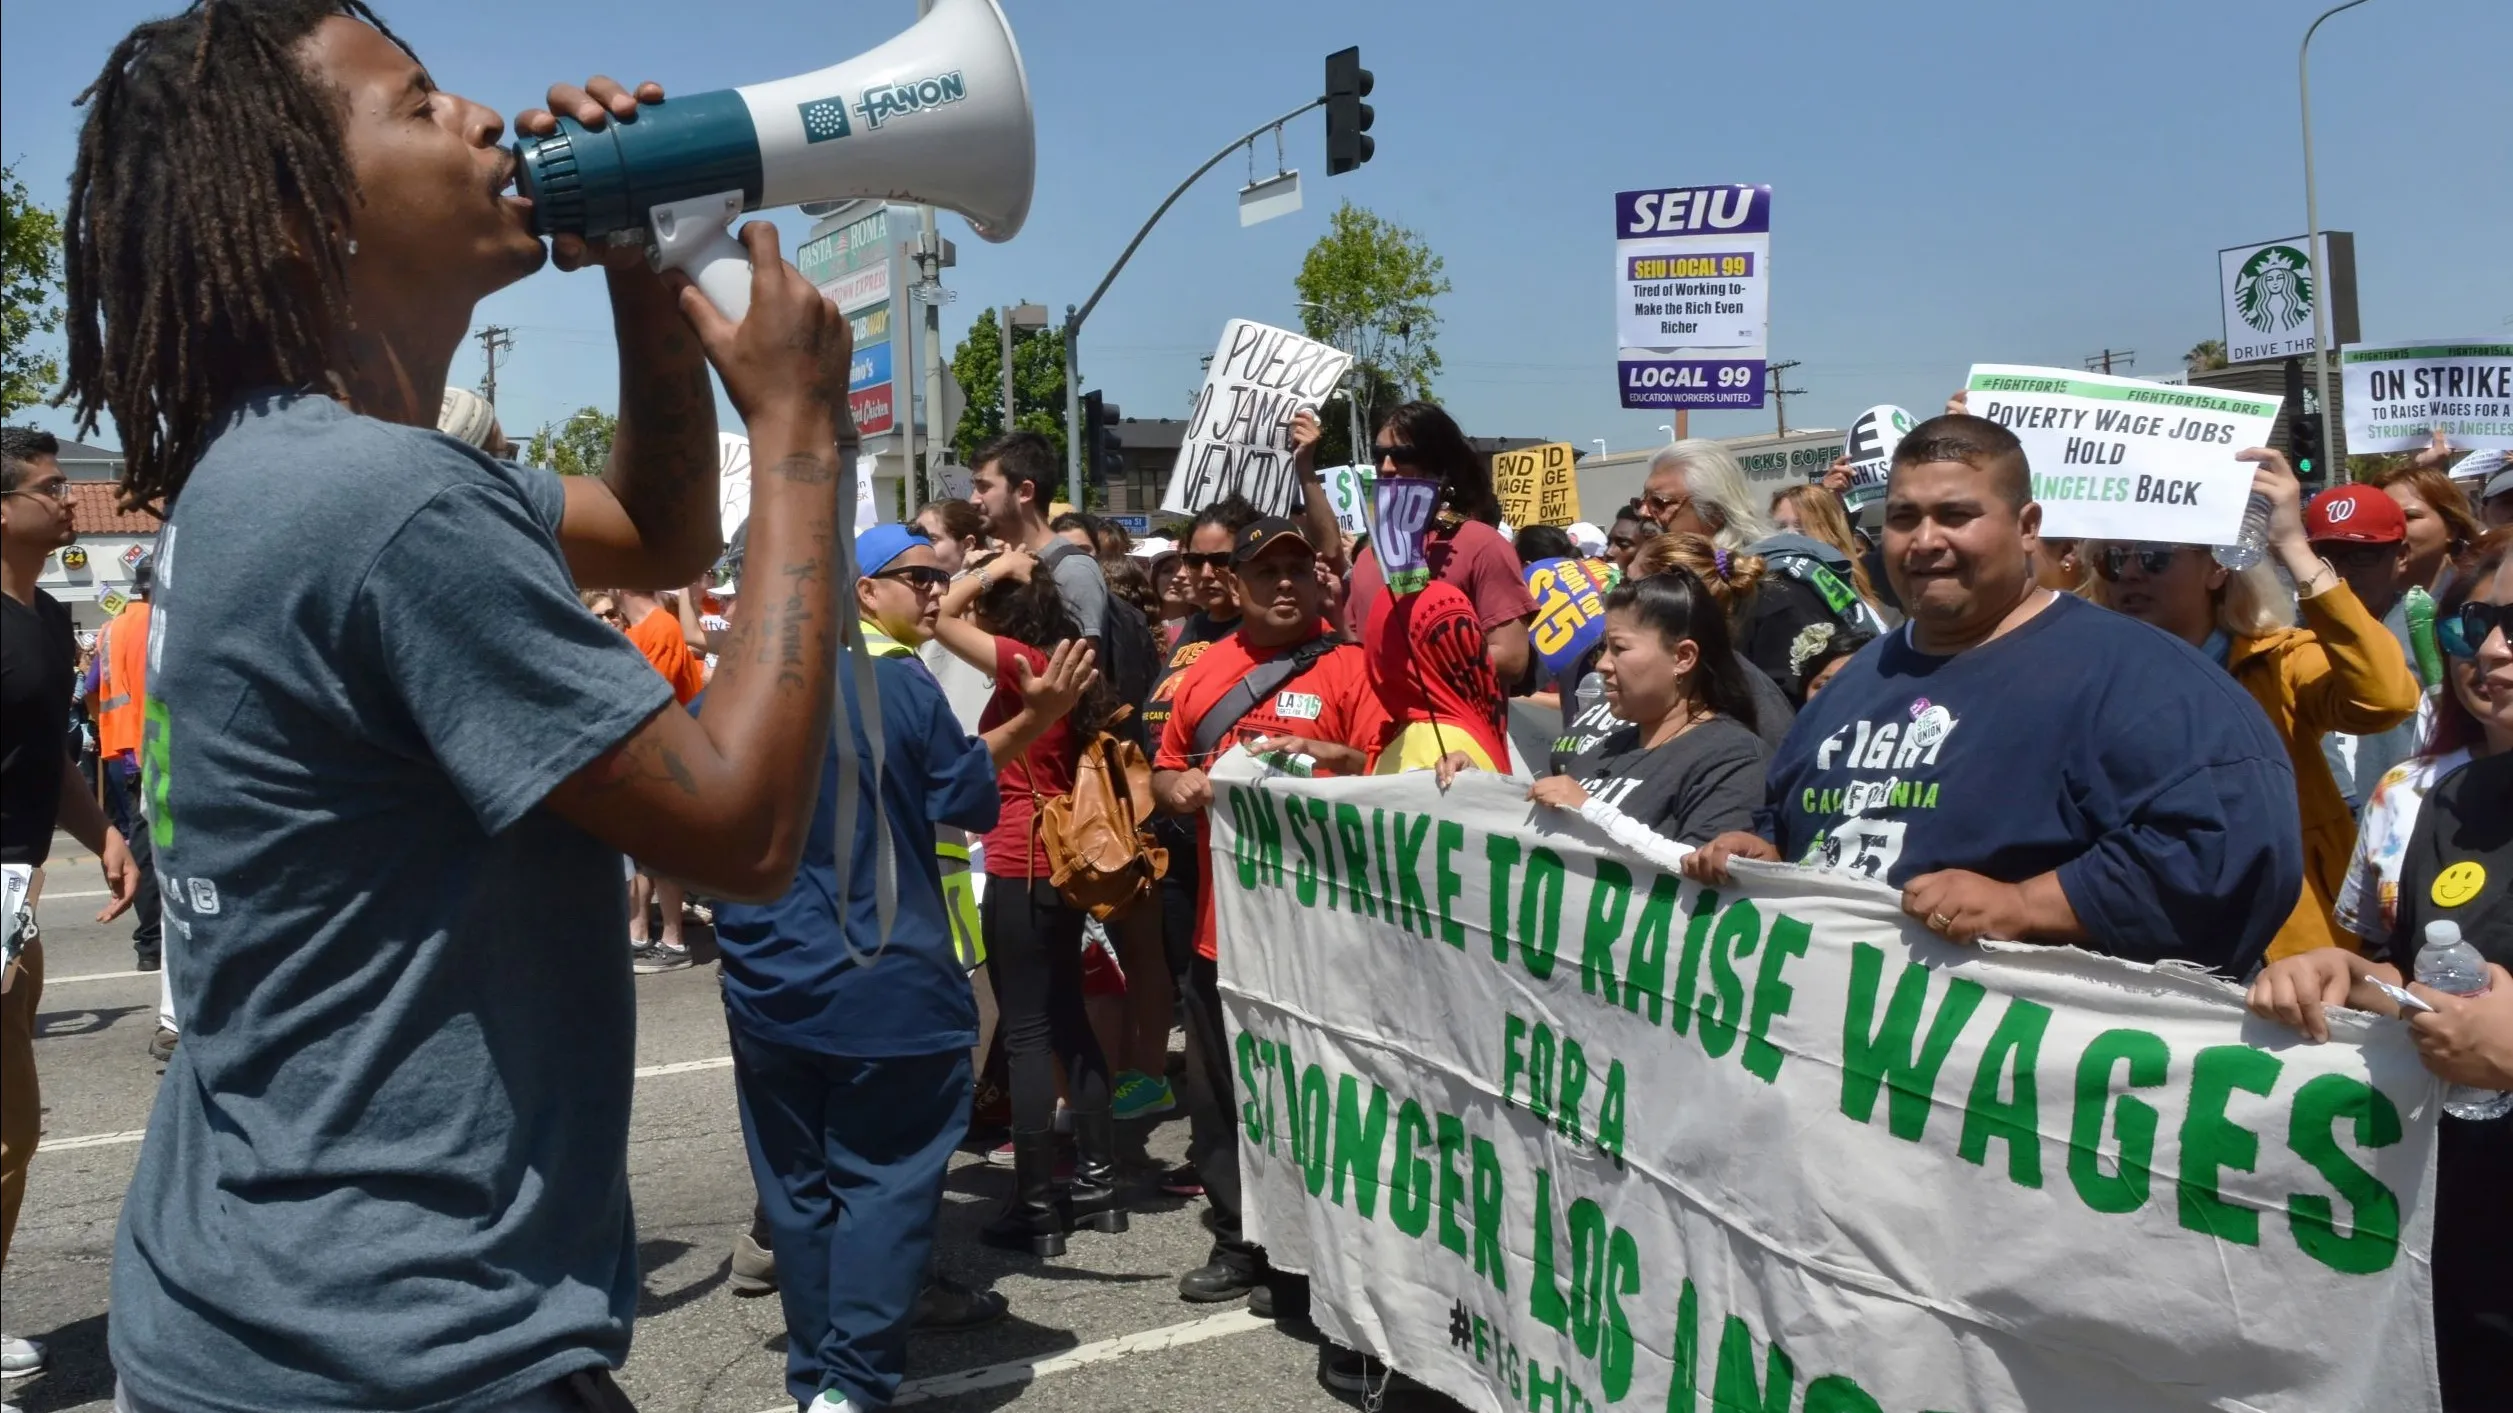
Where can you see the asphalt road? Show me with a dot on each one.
(1101, 1327)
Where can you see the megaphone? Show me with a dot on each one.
(940, 116)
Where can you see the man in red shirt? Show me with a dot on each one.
(1282, 682)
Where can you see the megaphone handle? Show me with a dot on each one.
(695, 237)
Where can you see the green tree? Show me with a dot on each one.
(1367, 287)
(2205, 356)
(30, 282)
(1038, 381)
(579, 446)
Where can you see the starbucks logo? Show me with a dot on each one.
(2273, 291)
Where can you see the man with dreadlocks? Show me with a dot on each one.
(387, 1169)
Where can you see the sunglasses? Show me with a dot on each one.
(1655, 503)
(2151, 559)
(1220, 560)
(920, 576)
(1401, 453)
(2470, 626)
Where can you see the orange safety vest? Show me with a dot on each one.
(122, 691)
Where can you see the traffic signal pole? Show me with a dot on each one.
(1074, 317)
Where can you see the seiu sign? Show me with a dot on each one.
(1689, 210)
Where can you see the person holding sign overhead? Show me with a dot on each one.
(2341, 671)
(1462, 545)
(2021, 764)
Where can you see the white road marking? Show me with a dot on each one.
(1022, 1371)
(49, 895)
(53, 981)
(109, 1140)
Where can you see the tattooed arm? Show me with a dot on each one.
(723, 801)
(651, 520)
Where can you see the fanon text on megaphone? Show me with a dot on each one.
(939, 115)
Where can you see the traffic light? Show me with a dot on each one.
(1100, 456)
(2304, 447)
(1348, 143)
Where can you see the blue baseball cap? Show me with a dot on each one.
(878, 546)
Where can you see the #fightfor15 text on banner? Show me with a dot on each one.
(2398, 395)
(2120, 459)
(1536, 486)
(1239, 436)
(1553, 1131)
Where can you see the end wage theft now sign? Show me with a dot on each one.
(1692, 288)
(2119, 459)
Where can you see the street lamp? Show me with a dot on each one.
(1670, 431)
(2312, 213)
(1600, 443)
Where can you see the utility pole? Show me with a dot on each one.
(494, 340)
(1779, 395)
(2102, 362)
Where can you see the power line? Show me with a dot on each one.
(2102, 362)
(494, 340)
(1779, 395)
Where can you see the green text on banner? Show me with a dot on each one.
(2121, 459)
(1552, 1130)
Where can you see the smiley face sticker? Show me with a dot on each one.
(2458, 884)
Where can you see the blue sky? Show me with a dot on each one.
(1954, 181)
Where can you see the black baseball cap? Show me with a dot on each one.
(1265, 534)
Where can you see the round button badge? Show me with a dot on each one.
(2458, 884)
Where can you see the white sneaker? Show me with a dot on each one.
(19, 1357)
(830, 1401)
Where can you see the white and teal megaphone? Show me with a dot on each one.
(940, 116)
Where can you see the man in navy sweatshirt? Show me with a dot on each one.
(2023, 764)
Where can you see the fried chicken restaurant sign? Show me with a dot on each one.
(1552, 1130)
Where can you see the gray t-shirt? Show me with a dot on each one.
(1565, 741)
(1084, 586)
(388, 1165)
(1692, 789)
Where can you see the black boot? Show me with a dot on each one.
(1097, 1200)
(1031, 1222)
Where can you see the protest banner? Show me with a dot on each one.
(1870, 448)
(2398, 395)
(1405, 506)
(1692, 289)
(1570, 617)
(2121, 459)
(1536, 485)
(1238, 438)
(1351, 491)
(1550, 1129)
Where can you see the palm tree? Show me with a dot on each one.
(2207, 355)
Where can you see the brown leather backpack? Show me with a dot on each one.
(1103, 859)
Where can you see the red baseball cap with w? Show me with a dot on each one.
(2355, 514)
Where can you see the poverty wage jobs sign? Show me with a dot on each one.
(2119, 459)
(2397, 395)
(1692, 288)
(1536, 486)
(1239, 436)
(1553, 1131)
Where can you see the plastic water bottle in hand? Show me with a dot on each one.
(1592, 690)
(2252, 544)
(2451, 965)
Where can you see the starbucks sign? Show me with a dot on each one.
(2269, 291)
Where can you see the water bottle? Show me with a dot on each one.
(1592, 690)
(2423, 645)
(2451, 965)
(2251, 545)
